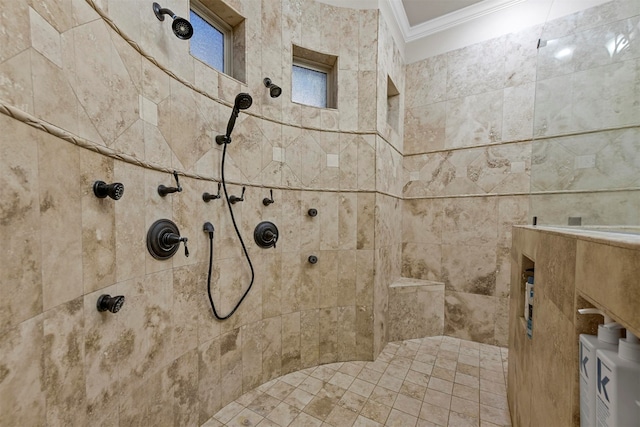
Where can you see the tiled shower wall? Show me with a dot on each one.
(466, 176)
(81, 104)
(475, 121)
(466, 146)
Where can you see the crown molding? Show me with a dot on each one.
(447, 21)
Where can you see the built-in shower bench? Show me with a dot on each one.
(416, 309)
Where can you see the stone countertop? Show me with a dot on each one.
(627, 237)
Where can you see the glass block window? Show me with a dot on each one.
(309, 86)
(207, 43)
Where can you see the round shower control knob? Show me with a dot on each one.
(266, 234)
(312, 212)
(312, 259)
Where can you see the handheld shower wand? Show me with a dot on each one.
(242, 102)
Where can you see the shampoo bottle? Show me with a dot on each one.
(607, 338)
(529, 306)
(618, 384)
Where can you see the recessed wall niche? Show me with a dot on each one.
(393, 104)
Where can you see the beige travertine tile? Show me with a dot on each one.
(209, 394)
(366, 162)
(331, 206)
(186, 308)
(60, 210)
(348, 161)
(145, 319)
(425, 128)
(272, 289)
(19, 219)
(17, 36)
(309, 338)
(231, 365)
(54, 98)
(328, 274)
(518, 112)
(17, 87)
(111, 111)
(130, 228)
(422, 261)
(557, 267)
(364, 333)
(346, 334)
(467, 315)
(23, 378)
(59, 15)
(415, 301)
(470, 221)
(64, 376)
(272, 350)
(23, 299)
(469, 268)
(98, 223)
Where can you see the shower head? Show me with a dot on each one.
(181, 27)
(242, 102)
(274, 90)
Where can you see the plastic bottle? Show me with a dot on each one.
(527, 296)
(607, 338)
(618, 384)
(529, 306)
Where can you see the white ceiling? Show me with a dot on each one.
(419, 11)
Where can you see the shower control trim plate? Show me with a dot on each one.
(163, 239)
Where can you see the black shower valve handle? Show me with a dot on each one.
(164, 190)
(175, 175)
(268, 201)
(186, 249)
(234, 199)
(208, 197)
(271, 237)
(174, 239)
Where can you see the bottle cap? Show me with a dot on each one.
(629, 348)
(610, 332)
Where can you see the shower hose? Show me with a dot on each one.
(244, 248)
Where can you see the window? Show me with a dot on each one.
(211, 40)
(313, 78)
(309, 86)
(219, 43)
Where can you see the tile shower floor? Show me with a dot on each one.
(435, 381)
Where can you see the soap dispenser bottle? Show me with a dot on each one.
(607, 338)
(618, 384)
